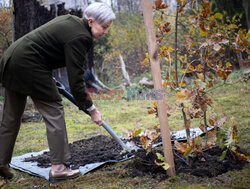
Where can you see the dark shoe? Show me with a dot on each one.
(56, 176)
(5, 172)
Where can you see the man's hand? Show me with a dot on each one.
(96, 117)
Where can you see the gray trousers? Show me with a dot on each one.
(53, 116)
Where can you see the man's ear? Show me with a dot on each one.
(90, 21)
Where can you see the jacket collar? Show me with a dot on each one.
(85, 21)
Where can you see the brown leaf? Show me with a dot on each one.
(243, 157)
(212, 25)
(210, 76)
(2, 183)
(202, 26)
(158, 163)
(200, 76)
(211, 121)
(167, 27)
(202, 127)
(193, 4)
(181, 147)
(198, 114)
(212, 137)
(237, 50)
(159, 5)
(210, 84)
(234, 135)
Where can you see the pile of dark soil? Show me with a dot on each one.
(96, 149)
(102, 148)
(208, 164)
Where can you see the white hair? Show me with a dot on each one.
(100, 12)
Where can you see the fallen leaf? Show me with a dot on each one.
(2, 183)
(217, 47)
(180, 146)
(20, 180)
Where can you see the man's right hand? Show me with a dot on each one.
(96, 117)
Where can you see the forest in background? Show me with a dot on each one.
(127, 37)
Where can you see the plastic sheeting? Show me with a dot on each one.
(32, 168)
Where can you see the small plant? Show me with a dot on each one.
(163, 163)
(195, 146)
(230, 145)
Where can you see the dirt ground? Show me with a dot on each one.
(102, 148)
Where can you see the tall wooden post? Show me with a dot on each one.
(156, 73)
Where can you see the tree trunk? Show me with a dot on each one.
(176, 47)
(29, 14)
(246, 6)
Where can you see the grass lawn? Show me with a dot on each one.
(229, 100)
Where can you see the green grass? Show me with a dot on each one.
(231, 101)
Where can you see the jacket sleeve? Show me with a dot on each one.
(75, 52)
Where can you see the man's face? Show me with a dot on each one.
(98, 30)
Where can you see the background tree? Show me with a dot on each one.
(5, 28)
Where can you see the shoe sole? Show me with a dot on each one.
(54, 180)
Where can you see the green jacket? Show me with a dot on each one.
(28, 63)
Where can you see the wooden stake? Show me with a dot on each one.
(156, 73)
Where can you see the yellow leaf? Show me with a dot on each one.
(228, 64)
(187, 151)
(218, 16)
(195, 43)
(183, 95)
(182, 84)
(186, 71)
(155, 104)
(170, 49)
(143, 139)
(248, 35)
(164, 84)
(163, 48)
(136, 133)
(212, 18)
(204, 33)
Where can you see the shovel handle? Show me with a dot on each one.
(66, 94)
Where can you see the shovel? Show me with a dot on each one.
(69, 96)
